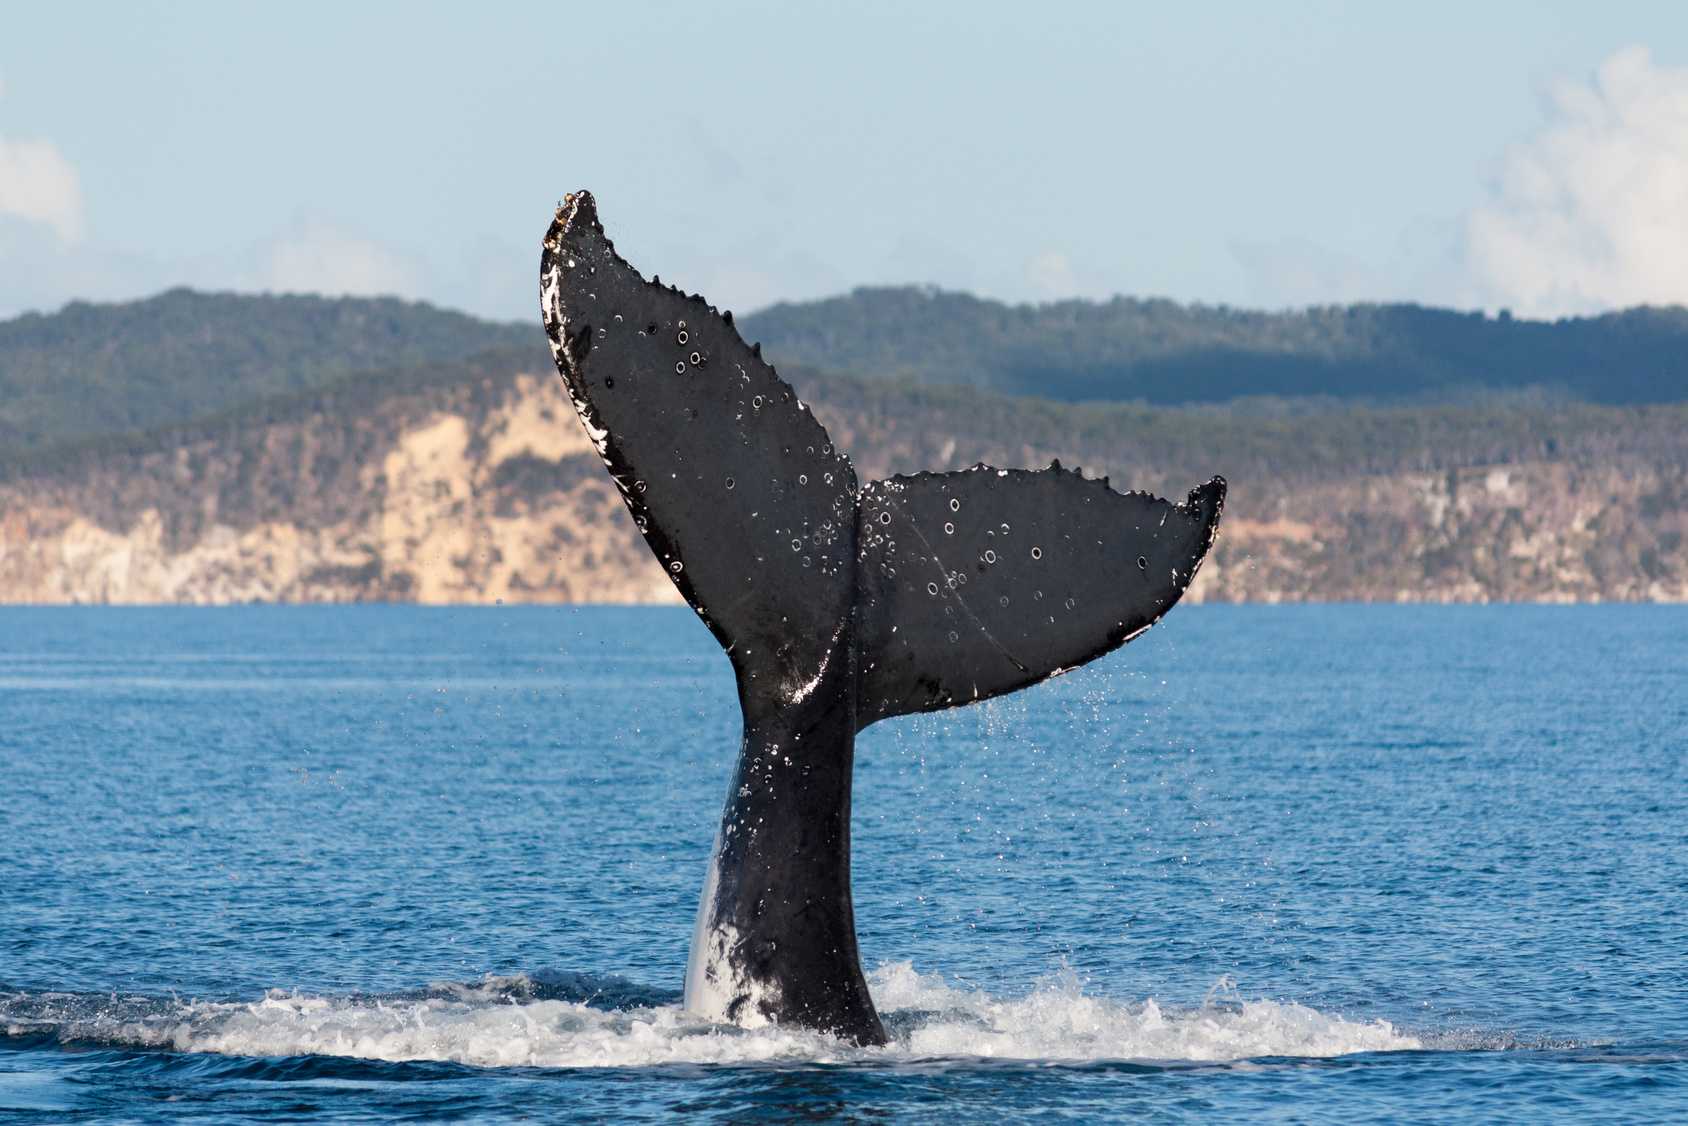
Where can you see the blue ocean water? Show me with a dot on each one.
(1293, 864)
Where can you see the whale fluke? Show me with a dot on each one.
(838, 605)
(995, 579)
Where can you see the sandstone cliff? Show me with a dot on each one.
(1443, 505)
(475, 483)
(478, 492)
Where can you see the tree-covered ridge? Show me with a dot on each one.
(1160, 352)
(90, 369)
(896, 426)
(368, 485)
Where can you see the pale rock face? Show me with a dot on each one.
(536, 420)
(445, 495)
(1533, 532)
(438, 527)
(423, 530)
(85, 563)
(456, 550)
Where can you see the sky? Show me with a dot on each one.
(1529, 156)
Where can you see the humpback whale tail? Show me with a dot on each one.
(838, 604)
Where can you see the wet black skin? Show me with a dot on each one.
(838, 604)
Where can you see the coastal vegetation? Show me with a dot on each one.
(92, 369)
(467, 477)
(1163, 353)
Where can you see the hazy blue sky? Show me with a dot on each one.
(1527, 155)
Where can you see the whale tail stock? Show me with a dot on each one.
(837, 605)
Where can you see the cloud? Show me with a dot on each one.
(492, 279)
(747, 278)
(1051, 275)
(1296, 273)
(919, 258)
(39, 270)
(1592, 212)
(38, 184)
(1054, 276)
(313, 255)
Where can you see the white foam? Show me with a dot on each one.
(497, 1024)
(1058, 1021)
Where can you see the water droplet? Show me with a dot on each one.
(756, 402)
(1037, 553)
(603, 332)
(729, 482)
(829, 478)
(797, 545)
(680, 368)
(1142, 563)
(1069, 604)
(1003, 600)
(802, 479)
(949, 529)
(884, 517)
(639, 486)
(571, 263)
(682, 324)
(931, 588)
(953, 637)
(618, 318)
(990, 557)
(609, 381)
(684, 336)
(676, 566)
(955, 505)
(697, 358)
(1005, 529)
(805, 561)
(650, 329)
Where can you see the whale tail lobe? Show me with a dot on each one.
(977, 583)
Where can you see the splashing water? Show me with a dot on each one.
(1058, 1021)
(523, 1021)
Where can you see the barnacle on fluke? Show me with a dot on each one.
(839, 604)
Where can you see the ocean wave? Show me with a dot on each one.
(573, 1020)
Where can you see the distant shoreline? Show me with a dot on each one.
(281, 462)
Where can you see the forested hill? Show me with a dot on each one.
(1161, 352)
(474, 481)
(231, 449)
(90, 369)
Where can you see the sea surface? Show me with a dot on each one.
(1267, 864)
